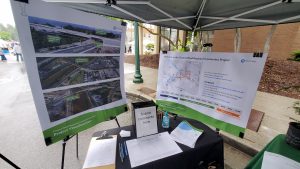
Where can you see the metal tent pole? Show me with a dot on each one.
(237, 40)
(269, 38)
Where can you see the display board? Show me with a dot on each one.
(74, 61)
(215, 88)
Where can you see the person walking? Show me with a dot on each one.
(129, 50)
(2, 55)
(18, 52)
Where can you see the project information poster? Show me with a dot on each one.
(215, 88)
(74, 62)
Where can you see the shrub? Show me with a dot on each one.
(296, 55)
(150, 46)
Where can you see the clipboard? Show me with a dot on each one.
(112, 166)
(101, 153)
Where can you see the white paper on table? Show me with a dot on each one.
(124, 133)
(101, 152)
(276, 161)
(147, 149)
(185, 134)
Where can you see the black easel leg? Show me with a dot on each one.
(63, 153)
(77, 146)
(117, 122)
(9, 162)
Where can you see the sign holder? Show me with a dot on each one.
(144, 118)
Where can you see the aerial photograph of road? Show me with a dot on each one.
(64, 71)
(64, 103)
(51, 36)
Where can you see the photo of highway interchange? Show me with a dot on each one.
(64, 71)
(64, 103)
(55, 37)
(51, 36)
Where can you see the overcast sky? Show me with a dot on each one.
(6, 16)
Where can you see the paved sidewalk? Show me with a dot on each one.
(21, 134)
(277, 109)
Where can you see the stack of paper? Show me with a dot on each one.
(101, 154)
(185, 134)
(150, 148)
(276, 161)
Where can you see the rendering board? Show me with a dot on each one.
(74, 62)
(215, 88)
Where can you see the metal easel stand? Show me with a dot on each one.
(68, 138)
(115, 118)
(9, 162)
(64, 148)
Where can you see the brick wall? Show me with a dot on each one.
(223, 41)
(254, 38)
(286, 38)
(296, 44)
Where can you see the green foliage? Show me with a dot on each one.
(189, 43)
(296, 55)
(5, 35)
(8, 32)
(182, 48)
(150, 46)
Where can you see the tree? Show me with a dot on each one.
(13, 32)
(150, 47)
(8, 32)
(5, 35)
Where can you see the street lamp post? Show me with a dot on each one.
(137, 76)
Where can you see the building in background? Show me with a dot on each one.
(285, 39)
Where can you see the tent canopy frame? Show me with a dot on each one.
(169, 17)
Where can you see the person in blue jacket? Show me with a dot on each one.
(3, 58)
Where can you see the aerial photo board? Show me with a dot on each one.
(215, 88)
(74, 62)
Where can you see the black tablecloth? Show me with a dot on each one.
(208, 150)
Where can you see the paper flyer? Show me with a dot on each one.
(185, 134)
(277, 161)
(74, 61)
(215, 88)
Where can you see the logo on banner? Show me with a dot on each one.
(247, 60)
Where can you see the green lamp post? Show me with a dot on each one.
(137, 76)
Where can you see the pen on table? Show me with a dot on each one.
(125, 148)
(121, 152)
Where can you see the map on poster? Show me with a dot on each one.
(74, 65)
(215, 88)
(182, 76)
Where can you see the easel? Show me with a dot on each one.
(9, 162)
(64, 148)
(68, 138)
